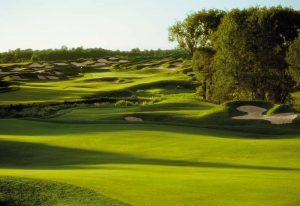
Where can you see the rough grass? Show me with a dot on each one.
(32, 192)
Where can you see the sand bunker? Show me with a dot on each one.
(99, 65)
(88, 62)
(36, 65)
(77, 64)
(52, 77)
(123, 61)
(177, 64)
(102, 61)
(41, 77)
(133, 119)
(103, 68)
(113, 59)
(58, 73)
(39, 71)
(256, 113)
(16, 77)
(17, 69)
(60, 64)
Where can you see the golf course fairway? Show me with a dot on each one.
(153, 164)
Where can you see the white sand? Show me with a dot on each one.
(60, 64)
(103, 68)
(113, 58)
(123, 61)
(133, 119)
(49, 67)
(87, 62)
(36, 65)
(52, 77)
(177, 64)
(99, 64)
(102, 61)
(256, 113)
(58, 73)
(41, 77)
(77, 64)
(17, 69)
(16, 77)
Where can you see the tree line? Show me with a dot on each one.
(64, 53)
(243, 54)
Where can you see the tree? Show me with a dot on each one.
(194, 32)
(293, 59)
(202, 66)
(251, 45)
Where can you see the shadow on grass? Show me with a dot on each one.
(39, 156)
(248, 130)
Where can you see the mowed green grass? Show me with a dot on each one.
(85, 85)
(148, 164)
(89, 155)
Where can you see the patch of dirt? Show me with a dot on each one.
(133, 119)
(256, 113)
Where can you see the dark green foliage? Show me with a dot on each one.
(203, 68)
(195, 31)
(251, 45)
(83, 54)
(30, 192)
(293, 58)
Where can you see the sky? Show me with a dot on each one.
(109, 24)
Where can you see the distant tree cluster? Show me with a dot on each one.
(252, 53)
(64, 53)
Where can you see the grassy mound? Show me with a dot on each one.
(30, 192)
(277, 108)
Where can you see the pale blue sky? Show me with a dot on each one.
(111, 24)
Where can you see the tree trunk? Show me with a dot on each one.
(204, 88)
